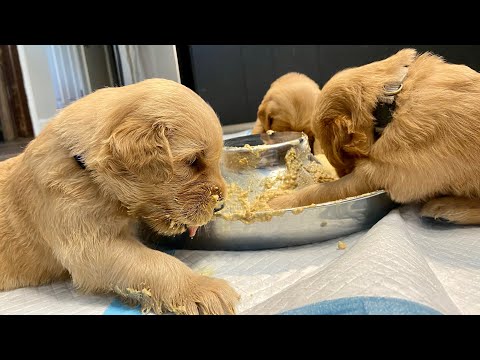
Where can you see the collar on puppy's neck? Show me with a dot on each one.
(383, 112)
(80, 161)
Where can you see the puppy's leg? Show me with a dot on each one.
(352, 184)
(157, 281)
(453, 209)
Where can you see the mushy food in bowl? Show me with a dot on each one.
(260, 167)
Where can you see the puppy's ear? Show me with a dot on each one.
(264, 117)
(342, 143)
(404, 57)
(142, 147)
(395, 67)
(258, 127)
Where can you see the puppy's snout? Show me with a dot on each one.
(217, 194)
(219, 207)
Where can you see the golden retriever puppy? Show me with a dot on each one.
(409, 124)
(288, 106)
(70, 202)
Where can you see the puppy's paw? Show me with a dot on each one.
(284, 202)
(455, 210)
(197, 295)
(441, 210)
(439, 220)
(208, 296)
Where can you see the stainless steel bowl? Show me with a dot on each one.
(265, 157)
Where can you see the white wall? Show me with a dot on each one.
(140, 62)
(38, 84)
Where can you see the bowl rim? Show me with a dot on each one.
(310, 207)
(302, 137)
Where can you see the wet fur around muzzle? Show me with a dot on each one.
(427, 154)
(151, 152)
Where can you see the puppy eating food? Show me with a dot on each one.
(408, 124)
(70, 202)
(288, 105)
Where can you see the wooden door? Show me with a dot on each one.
(15, 119)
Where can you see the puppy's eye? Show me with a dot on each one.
(269, 121)
(193, 161)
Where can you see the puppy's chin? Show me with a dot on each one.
(167, 228)
(196, 215)
(344, 171)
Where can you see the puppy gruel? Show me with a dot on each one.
(151, 152)
(243, 206)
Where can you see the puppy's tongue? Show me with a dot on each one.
(192, 230)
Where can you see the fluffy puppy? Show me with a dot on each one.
(70, 202)
(423, 150)
(288, 105)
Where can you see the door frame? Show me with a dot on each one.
(14, 110)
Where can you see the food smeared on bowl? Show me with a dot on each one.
(258, 168)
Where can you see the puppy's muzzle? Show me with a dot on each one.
(219, 207)
(219, 195)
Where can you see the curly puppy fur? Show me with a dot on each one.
(429, 151)
(288, 105)
(152, 152)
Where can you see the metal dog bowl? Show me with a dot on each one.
(265, 157)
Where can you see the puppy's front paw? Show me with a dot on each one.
(197, 295)
(208, 296)
(447, 210)
(284, 202)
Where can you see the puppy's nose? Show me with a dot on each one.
(218, 193)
